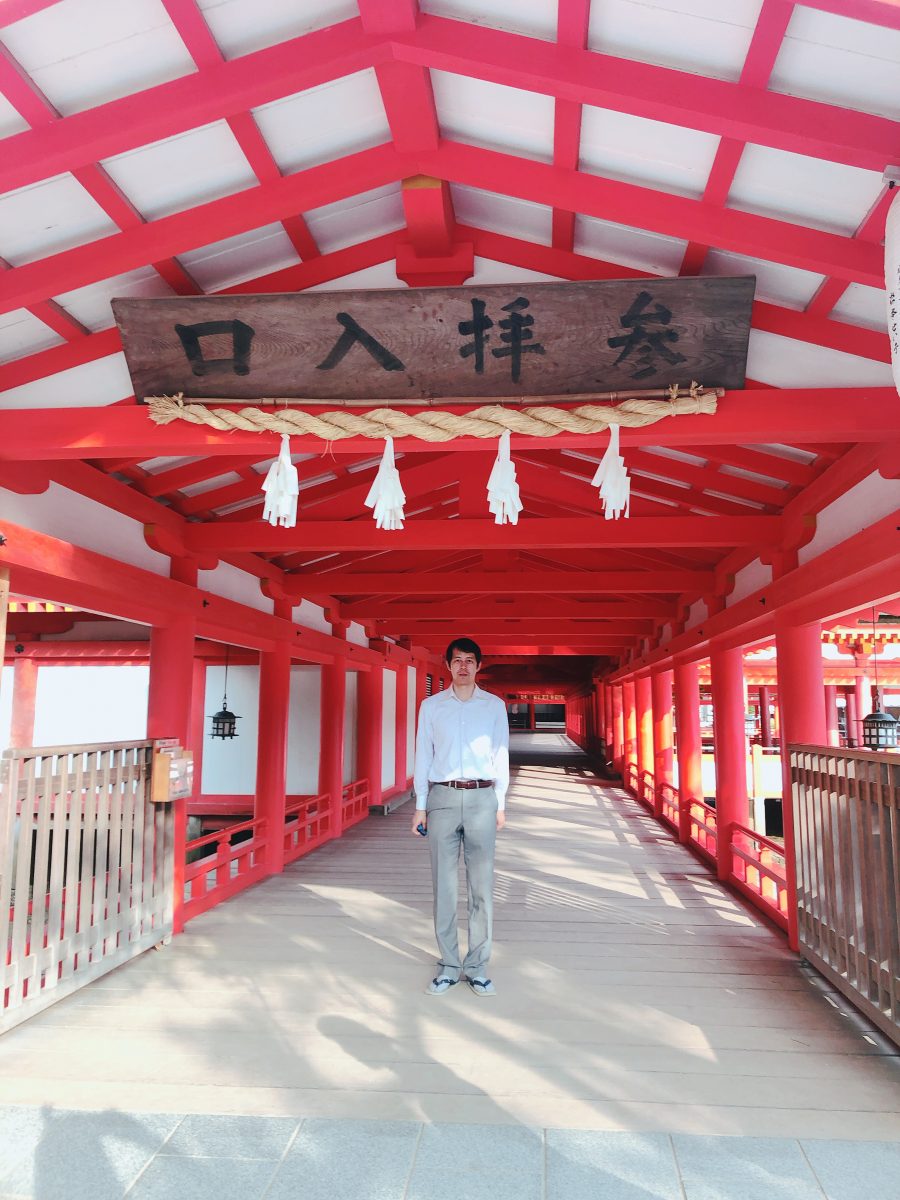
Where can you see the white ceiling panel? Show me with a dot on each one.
(635, 248)
(493, 115)
(778, 284)
(234, 260)
(503, 214)
(81, 53)
(242, 26)
(22, 333)
(784, 362)
(537, 18)
(636, 150)
(808, 191)
(840, 61)
(384, 275)
(357, 219)
(861, 305)
(91, 385)
(488, 271)
(48, 217)
(707, 37)
(326, 122)
(90, 305)
(181, 172)
(10, 119)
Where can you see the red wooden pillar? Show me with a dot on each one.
(618, 727)
(852, 716)
(401, 728)
(862, 692)
(727, 677)
(629, 753)
(643, 698)
(24, 696)
(271, 754)
(369, 716)
(801, 699)
(421, 686)
(198, 719)
(169, 707)
(661, 689)
(331, 734)
(832, 727)
(690, 746)
(765, 718)
(532, 720)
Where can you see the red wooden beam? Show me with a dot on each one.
(17, 10)
(487, 608)
(675, 216)
(482, 534)
(728, 109)
(212, 94)
(210, 222)
(573, 18)
(790, 415)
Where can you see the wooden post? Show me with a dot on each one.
(401, 727)
(169, 705)
(801, 700)
(765, 717)
(687, 719)
(661, 689)
(629, 753)
(618, 727)
(271, 754)
(25, 679)
(331, 733)
(369, 710)
(532, 723)
(730, 744)
(198, 723)
(643, 697)
(831, 715)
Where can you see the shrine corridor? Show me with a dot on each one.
(284, 1046)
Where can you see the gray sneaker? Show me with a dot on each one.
(482, 987)
(441, 984)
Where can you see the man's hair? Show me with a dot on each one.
(467, 646)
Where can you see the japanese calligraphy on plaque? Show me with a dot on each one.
(521, 339)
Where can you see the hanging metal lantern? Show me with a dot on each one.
(224, 722)
(879, 730)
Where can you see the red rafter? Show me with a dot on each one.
(571, 30)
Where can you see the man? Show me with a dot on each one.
(461, 780)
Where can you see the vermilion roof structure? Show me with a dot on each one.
(160, 147)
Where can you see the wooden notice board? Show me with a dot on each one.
(506, 340)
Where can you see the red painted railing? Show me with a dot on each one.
(355, 800)
(703, 833)
(227, 869)
(647, 792)
(758, 869)
(668, 801)
(308, 823)
(631, 778)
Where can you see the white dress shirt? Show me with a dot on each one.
(462, 739)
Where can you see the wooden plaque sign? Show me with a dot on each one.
(507, 340)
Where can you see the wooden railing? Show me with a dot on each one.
(86, 869)
(647, 789)
(309, 823)
(703, 829)
(847, 832)
(355, 801)
(758, 869)
(668, 804)
(234, 859)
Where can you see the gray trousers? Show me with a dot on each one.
(467, 818)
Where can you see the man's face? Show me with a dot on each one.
(463, 667)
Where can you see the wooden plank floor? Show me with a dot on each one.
(634, 994)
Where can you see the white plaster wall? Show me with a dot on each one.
(785, 362)
(229, 766)
(350, 727)
(233, 584)
(91, 385)
(388, 727)
(73, 518)
(6, 690)
(357, 635)
(748, 580)
(75, 705)
(311, 616)
(410, 720)
(304, 722)
(871, 499)
(697, 613)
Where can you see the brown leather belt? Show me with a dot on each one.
(466, 783)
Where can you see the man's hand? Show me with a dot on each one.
(501, 818)
(419, 817)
